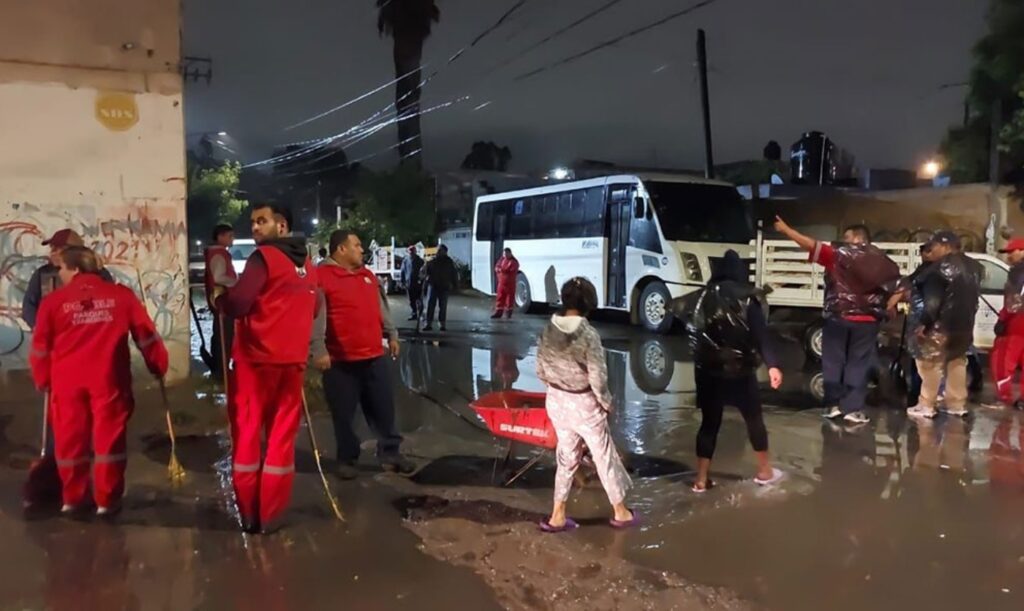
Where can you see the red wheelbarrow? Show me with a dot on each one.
(518, 417)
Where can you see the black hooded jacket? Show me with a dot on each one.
(725, 322)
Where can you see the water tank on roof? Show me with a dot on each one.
(812, 160)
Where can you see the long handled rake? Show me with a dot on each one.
(316, 456)
(175, 472)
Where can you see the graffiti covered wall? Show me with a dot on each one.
(93, 141)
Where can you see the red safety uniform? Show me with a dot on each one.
(506, 271)
(211, 253)
(354, 318)
(1008, 355)
(1008, 351)
(80, 353)
(997, 367)
(270, 352)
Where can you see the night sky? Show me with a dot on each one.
(867, 72)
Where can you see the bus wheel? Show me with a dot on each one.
(524, 298)
(813, 339)
(653, 306)
(652, 364)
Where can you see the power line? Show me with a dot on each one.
(317, 143)
(358, 98)
(616, 40)
(594, 13)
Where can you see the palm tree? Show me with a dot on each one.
(408, 23)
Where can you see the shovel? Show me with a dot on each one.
(175, 472)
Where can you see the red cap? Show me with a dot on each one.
(1012, 245)
(64, 238)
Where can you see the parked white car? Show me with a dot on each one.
(240, 252)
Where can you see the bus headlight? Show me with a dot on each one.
(691, 267)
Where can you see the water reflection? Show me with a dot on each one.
(85, 568)
(864, 512)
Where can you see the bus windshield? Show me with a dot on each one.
(692, 212)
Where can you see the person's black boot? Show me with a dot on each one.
(397, 464)
(346, 470)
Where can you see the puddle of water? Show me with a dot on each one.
(925, 515)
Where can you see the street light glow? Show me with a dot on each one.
(222, 134)
(560, 173)
(931, 169)
(316, 222)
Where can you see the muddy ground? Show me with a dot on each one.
(896, 514)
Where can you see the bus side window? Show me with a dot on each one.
(484, 223)
(521, 225)
(545, 222)
(570, 216)
(595, 212)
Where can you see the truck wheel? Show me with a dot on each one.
(653, 308)
(813, 339)
(524, 297)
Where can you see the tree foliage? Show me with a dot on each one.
(409, 24)
(996, 77)
(487, 156)
(212, 197)
(395, 203)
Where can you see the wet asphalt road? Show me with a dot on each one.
(896, 514)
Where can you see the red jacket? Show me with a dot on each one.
(211, 253)
(277, 328)
(81, 337)
(506, 268)
(355, 317)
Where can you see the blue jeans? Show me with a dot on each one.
(848, 353)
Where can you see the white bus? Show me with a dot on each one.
(641, 239)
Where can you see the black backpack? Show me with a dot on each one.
(719, 332)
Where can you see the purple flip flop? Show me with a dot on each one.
(634, 521)
(548, 528)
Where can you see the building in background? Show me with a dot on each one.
(455, 196)
(93, 139)
(459, 240)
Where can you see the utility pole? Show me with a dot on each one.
(997, 127)
(702, 67)
(997, 209)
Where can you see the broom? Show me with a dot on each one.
(316, 455)
(175, 472)
(43, 484)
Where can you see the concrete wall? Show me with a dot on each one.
(93, 139)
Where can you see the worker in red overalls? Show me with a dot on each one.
(80, 355)
(273, 303)
(220, 273)
(505, 270)
(1008, 350)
